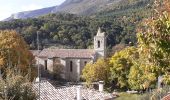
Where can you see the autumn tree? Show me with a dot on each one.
(129, 69)
(14, 52)
(97, 71)
(141, 76)
(153, 52)
(120, 64)
(154, 38)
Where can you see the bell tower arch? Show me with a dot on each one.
(100, 44)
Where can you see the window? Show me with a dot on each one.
(71, 66)
(98, 44)
(45, 63)
(85, 62)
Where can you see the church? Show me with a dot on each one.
(72, 60)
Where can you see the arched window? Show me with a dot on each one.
(98, 44)
(71, 66)
(85, 62)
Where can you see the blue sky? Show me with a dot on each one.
(8, 7)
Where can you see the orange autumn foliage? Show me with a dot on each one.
(14, 51)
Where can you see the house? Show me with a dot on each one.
(166, 97)
(71, 92)
(72, 60)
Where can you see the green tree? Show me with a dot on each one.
(131, 70)
(120, 64)
(154, 38)
(141, 76)
(98, 71)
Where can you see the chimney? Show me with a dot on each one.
(37, 79)
(159, 82)
(79, 95)
(101, 84)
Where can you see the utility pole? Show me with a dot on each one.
(39, 77)
(0, 74)
(5, 91)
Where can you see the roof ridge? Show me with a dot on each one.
(75, 53)
(65, 49)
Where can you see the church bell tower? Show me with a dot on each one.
(100, 44)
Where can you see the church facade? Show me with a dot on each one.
(72, 60)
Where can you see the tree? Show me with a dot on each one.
(154, 38)
(120, 64)
(153, 48)
(141, 76)
(57, 70)
(16, 87)
(119, 23)
(130, 70)
(14, 52)
(98, 71)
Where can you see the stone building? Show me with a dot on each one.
(72, 60)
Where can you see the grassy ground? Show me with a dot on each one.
(127, 96)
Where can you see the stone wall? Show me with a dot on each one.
(77, 64)
(100, 51)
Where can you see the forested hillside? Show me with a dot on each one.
(75, 31)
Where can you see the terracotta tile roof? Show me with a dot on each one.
(167, 97)
(34, 52)
(49, 92)
(67, 53)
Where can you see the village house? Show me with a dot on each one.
(72, 60)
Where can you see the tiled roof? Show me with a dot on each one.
(35, 52)
(49, 92)
(67, 53)
(167, 97)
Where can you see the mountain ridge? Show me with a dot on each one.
(80, 7)
(77, 31)
(31, 13)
